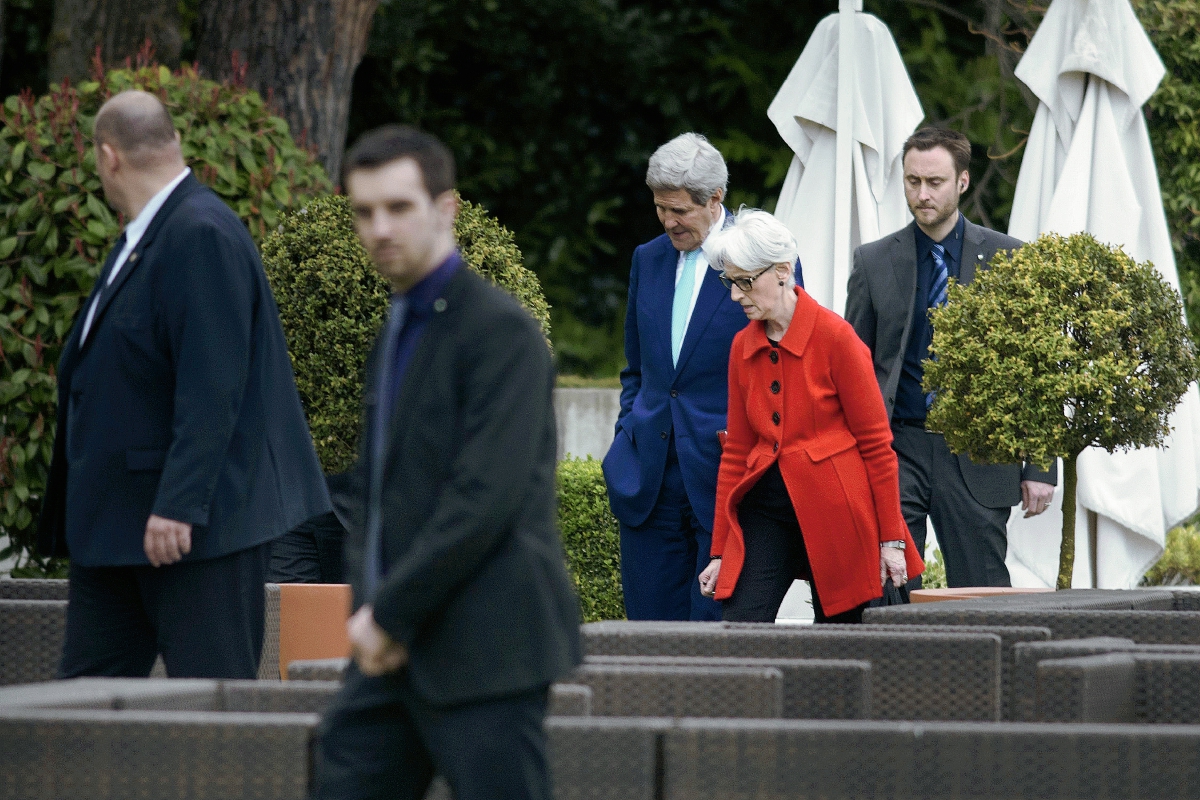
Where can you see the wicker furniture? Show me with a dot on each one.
(31, 635)
(965, 666)
(812, 688)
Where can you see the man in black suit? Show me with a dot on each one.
(182, 449)
(465, 613)
(894, 283)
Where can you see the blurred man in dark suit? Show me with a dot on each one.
(182, 449)
(465, 613)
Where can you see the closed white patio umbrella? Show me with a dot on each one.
(845, 110)
(1088, 166)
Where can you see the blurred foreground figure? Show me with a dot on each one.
(182, 449)
(465, 610)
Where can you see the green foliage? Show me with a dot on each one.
(332, 303)
(55, 230)
(934, 576)
(1174, 122)
(592, 539)
(1180, 561)
(1065, 344)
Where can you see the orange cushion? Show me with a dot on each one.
(312, 622)
(968, 593)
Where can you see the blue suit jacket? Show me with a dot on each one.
(658, 398)
(181, 402)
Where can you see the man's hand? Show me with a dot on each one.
(376, 652)
(166, 541)
(1035, 497)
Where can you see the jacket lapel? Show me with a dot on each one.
(904, 273)
(662, 296)
(973, 253)
(185, 188)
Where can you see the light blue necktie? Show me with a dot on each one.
(384, 403)
(681, 304)
(937, 293)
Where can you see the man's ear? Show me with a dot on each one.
(717, 198)
(447, 205)
(964, 181)
(112, 158)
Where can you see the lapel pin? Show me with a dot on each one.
(979, 257)
(439, 305)
(133, 256)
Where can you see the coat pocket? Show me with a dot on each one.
(830, 444)
(140, 460)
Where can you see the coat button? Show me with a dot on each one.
(774, 387)
(663, 434)
(775, 449)
(674, 393)
(775, 417)
(774, 357)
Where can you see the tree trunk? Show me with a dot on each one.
(118, 27)
(300, 54)
(1066, 553)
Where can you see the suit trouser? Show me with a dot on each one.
(309, 553)
(661, 559)
(204, 617)
(379, 740)
(973, 537)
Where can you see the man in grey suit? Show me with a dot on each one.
(893, 285)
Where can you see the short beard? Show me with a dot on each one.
(950, 212)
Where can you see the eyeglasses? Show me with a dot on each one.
(745, 284)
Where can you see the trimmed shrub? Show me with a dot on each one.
(591, 538)
(55, 230)
(332, 303)
(1179, 564)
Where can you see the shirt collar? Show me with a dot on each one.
(421, 297)
(953, 243)
(135, 229)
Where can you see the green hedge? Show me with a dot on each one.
(591, 538)
(55, 230)
(332, 303)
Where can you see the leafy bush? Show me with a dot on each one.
(1180, 561)
(55, 231)
(1064, 345)
(592, 539)
(332, 303)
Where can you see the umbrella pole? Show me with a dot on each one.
(845, 141)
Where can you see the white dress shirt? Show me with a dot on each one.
(700, 266)
(134, 232)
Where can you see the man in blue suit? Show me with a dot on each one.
(661, 469)
(182, 448)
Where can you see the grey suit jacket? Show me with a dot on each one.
(879, 304)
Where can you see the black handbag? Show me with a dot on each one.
(893, 595)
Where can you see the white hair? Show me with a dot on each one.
(690, 163)
(754, 241)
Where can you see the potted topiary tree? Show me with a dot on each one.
(1063, 345)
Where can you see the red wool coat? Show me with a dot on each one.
(816, 408)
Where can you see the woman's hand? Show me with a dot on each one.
(892, 565)
(708, 578)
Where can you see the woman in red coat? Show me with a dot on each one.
(808, 485)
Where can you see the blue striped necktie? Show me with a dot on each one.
(937, 294)
(682, 303)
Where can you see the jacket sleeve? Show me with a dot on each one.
(208, 296)
(860, 312)
(739, 439)
(1030, 472)
(631, 376)
(506, 399)
(867, 419)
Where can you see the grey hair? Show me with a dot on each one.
(754, 241)
(691, 163)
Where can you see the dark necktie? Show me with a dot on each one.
(89, 318)
(937, 294)
(384, 402)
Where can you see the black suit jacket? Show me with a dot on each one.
(879, 304)
(182, 401)
(476, 584)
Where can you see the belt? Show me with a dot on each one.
(909, 423)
